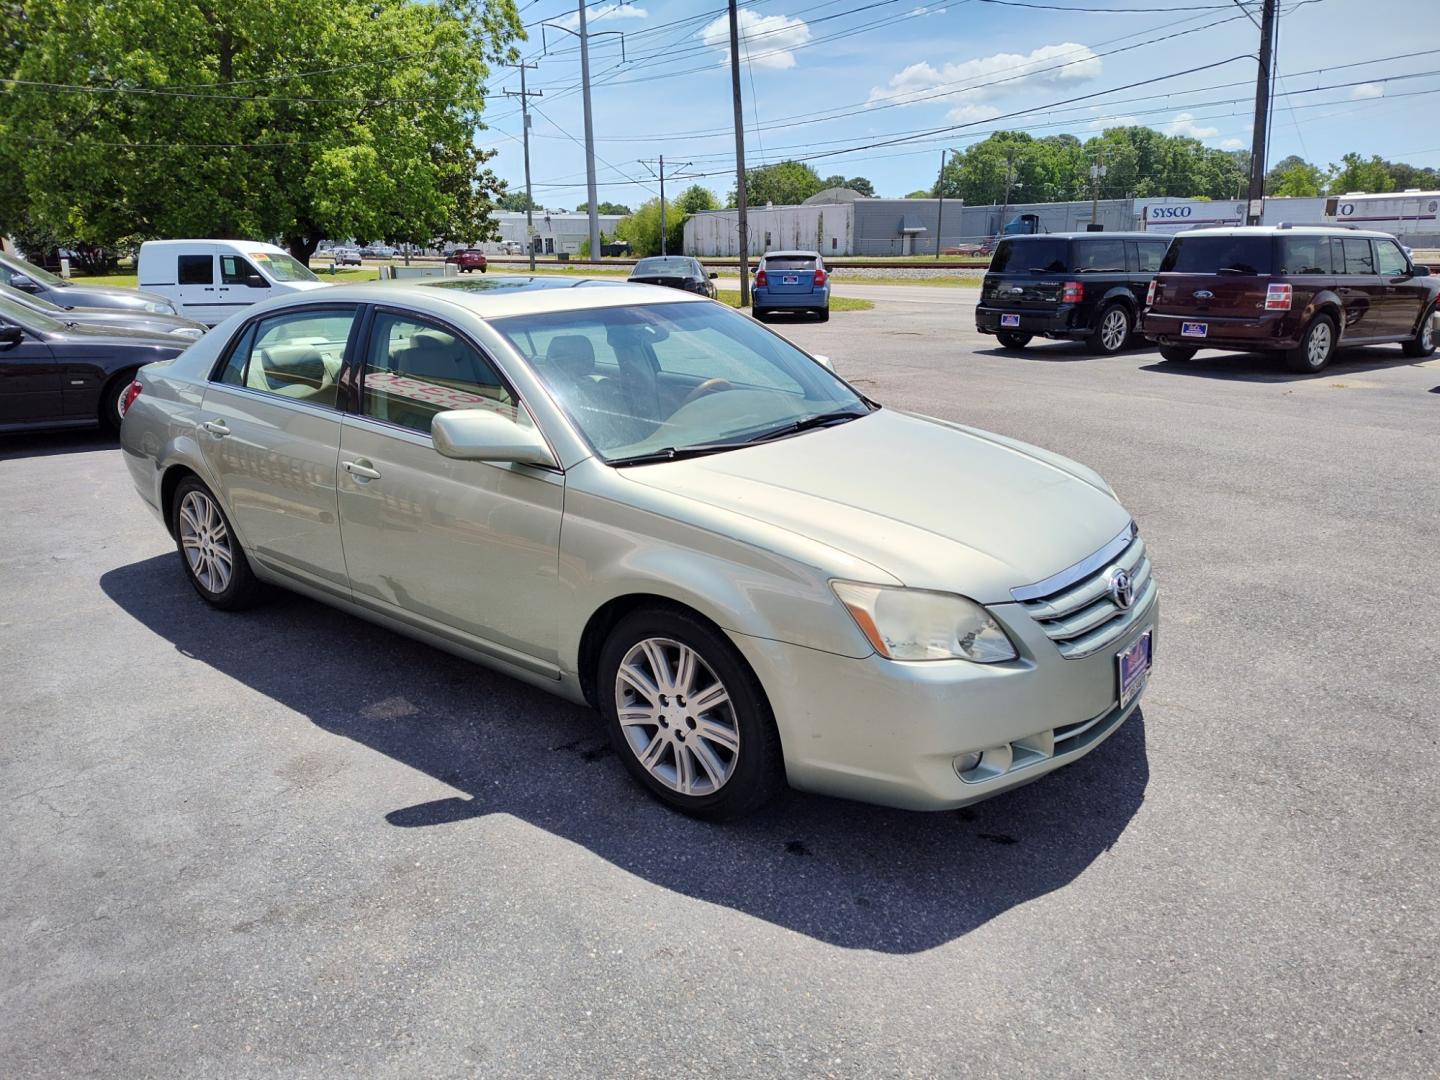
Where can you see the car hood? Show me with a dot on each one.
(301, 286)
(935, 505)
(109, 296)
(87, 333)
(129, 320)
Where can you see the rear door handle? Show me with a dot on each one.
(216, 428)
(361, 470)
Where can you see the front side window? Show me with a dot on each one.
(645, 379)
(414, 369)
(235, 270)
(295, 355)
(1305, 255)
(1358, 258)
(1390, 259)
(195, 270)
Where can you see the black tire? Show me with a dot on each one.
(485, 269)
(1179, 353)
(1317, 346)
(243, 588)
(1118, 333)
(756, 768)
(823, 314)
(109, 415)
(1010, 340)
(761, 314)
(1423, 343)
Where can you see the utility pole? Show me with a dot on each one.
(1259, 140)
(589, 137)
(525, 96)
(740, 199)
(1009, 184)
(940, 210)
(661, 174)
(1097, 173)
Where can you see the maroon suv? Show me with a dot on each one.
(1301, 292)
(468, 259)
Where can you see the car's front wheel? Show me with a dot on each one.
(209, 549)
(1012, 341)
(1423, 343)
(1179, 353)
(1317, 346)
(687, 715)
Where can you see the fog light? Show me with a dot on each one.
(965, 762)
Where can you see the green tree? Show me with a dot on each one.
(694, 199)
(1355, 173)
(1294, 176)
(785, 183)
(377, 138)
(605, 208)
(516, 202)
(922, 194)
(642, 228)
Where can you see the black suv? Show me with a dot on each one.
(1088, 286)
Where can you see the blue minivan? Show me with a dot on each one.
(792, 281)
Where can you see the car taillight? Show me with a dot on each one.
(1150, 293)
(1278, 297)
(819, 277)
(128, 398)
(1072, 292)
(760, 278)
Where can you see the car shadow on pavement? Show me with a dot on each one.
(50, 443)
(1269, 367)
(852, 875)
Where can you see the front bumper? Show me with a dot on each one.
(886, 732)
(1051, 322)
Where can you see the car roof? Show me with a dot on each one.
(1126, 235)
(1288, 230)
(242, 245)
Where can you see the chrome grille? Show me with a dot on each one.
(1079, 615)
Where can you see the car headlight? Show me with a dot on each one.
(155, 307)
(187, 331)
(914, 624)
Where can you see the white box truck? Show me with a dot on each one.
(210, 280)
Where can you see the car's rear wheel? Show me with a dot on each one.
(209, 550)
(1423, 343)
(823, 314)
(761, 314)
(110, 398)
(1013, 341)
(1177, 352)
(1113, 332)
(687, 715)
(1317, 346)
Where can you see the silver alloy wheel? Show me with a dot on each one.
(1427, 333)
(120, 403)
(677, 716)
(1112, 330)
(206, 541)
(1317, 349)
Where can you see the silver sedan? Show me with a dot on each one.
(648, 502)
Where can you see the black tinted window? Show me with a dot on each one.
(237, 271)
(1038, 256)
(196, 270)
(1305, 255)
(1218, 254)
(1152, 254)
(1096, 256)
(789, 262)
(1358, 259)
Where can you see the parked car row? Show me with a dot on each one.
(1299, 292)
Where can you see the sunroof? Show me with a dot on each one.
(512, 283)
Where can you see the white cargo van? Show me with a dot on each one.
(210, 280)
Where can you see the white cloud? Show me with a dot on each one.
(1184, 124)
(1105, 124)
(766, 41)
(1231, 144)
(958, 82)
(917, 12)
(1368, 90)
(604, 11)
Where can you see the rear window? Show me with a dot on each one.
(1217, 255)
(663, 267)
(789, 262)
(1305, 255)
(1038, 256)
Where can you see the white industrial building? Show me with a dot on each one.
(556, 231)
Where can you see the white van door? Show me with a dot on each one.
(196, 282)
(241, 284)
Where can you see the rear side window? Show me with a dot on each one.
(1218, 255)
(1038, 256)
(1305, 255)
(1358, 259)
(196, 270)
(1152, 255)
(789, 262)
(1099, 256)
(296, 355)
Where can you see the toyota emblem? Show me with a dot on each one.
(1122, 588)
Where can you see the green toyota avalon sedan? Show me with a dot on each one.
(646, 501)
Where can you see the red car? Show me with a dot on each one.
(468, 259)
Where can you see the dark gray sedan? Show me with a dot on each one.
(29, 278)
(55, 374)
(94, 316)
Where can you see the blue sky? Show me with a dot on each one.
(822, 77)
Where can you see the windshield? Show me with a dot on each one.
(24, 299)
(27, 317)
(644, 379)
(30, 270)
(282, 267)
(1218, 255)
(663, 267)
(1039, 256)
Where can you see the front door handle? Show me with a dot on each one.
(361, 470)
(216, 428)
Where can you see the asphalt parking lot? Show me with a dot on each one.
(286, 843)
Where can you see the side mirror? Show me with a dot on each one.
(713, 275)
(823, 361)
(255, 281)
(23, 281)
(481, 435)
(1419, 270)
(11, 335)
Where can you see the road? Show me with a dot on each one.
(288, 843)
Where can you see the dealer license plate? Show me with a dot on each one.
(1009, 320)
(1194, 329)
(1134, 668)
(790, 279)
